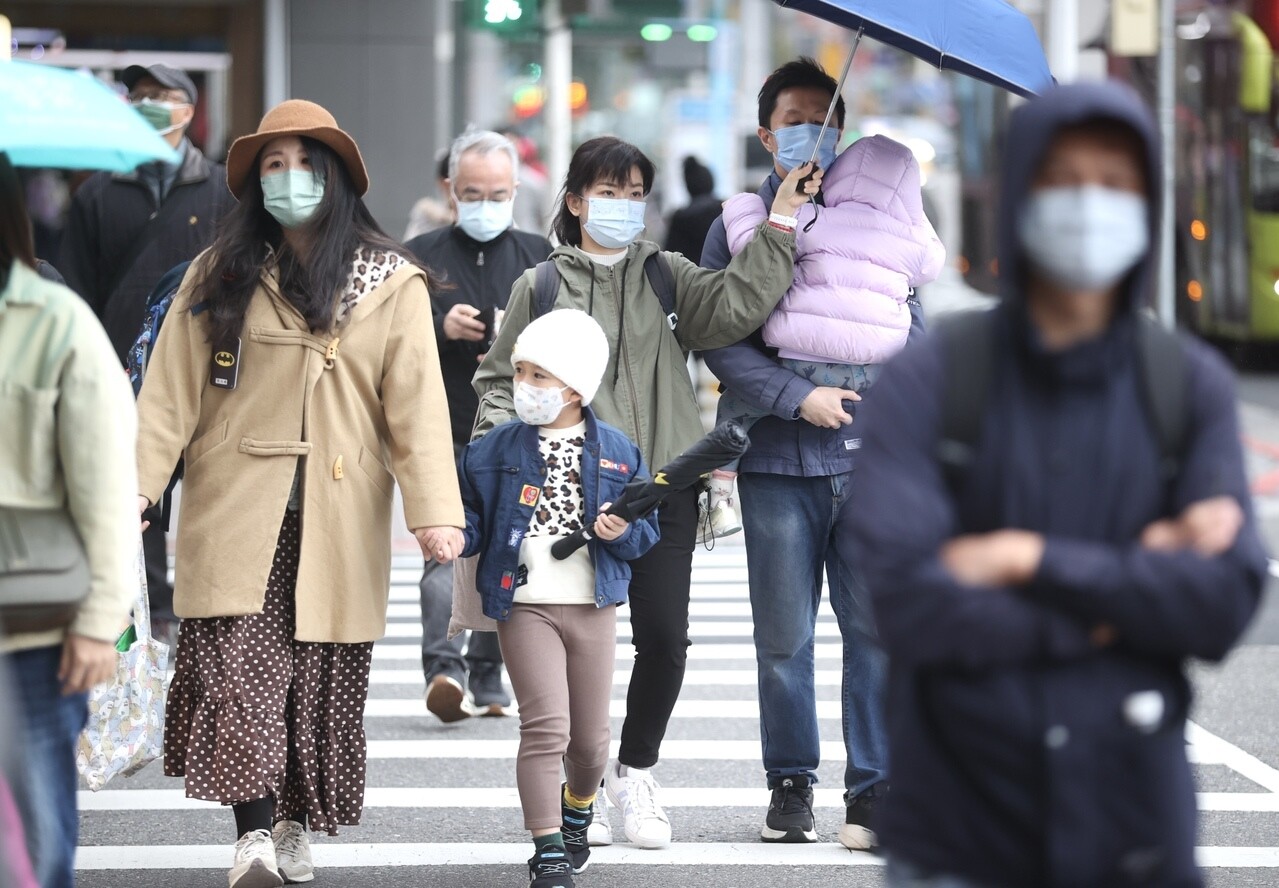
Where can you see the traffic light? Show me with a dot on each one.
(505, 16)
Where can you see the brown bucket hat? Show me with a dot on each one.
(296, 117)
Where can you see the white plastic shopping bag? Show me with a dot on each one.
(125, 729)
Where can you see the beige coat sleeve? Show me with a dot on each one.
(97, 433)
(719, 308)
(417, 414)
(492, 381)
(169, 406)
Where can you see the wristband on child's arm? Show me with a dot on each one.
(783, 223)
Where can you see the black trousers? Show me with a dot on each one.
(659, 630)
(159, 592)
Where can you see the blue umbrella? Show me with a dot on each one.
(55, 118)
(984, 39)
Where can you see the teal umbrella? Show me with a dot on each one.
(50, 117)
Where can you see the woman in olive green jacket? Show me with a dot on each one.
(648, 394)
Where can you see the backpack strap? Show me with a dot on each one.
(968, 349)
(657, 268)
(546, 286)
(1163, 382)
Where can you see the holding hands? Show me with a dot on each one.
(440, 544)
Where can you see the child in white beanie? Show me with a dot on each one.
(525, 485)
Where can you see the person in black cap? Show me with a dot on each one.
(125, 230)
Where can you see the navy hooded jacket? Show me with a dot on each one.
(1022, 754)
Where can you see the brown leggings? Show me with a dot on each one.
(560, 659)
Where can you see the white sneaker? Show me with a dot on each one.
(254, 862)
(293, 851)
(600, 832)
(714, 522)
(724, 518)
(634, 791)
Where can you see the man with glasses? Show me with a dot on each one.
(481, 255)
(125, 230)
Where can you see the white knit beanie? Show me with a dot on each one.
(567, 343)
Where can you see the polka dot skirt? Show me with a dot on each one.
(252, 712)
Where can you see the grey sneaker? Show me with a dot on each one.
(293, 852)
(254, 865)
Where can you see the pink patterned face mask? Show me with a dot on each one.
(536, 405)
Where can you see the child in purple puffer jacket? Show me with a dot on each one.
(859, 258)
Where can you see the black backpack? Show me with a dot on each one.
(968, 347)
(656, 268)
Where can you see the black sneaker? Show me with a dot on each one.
(574, 826)
(858, 831)
(487, 696)
(790, 813)
(550, 868)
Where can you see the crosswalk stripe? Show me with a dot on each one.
(704, 709)
(672, 750)
(825, 630)
(353, 855)
(343, 855)
(390, 650)
(736, 607)
(622, 677)
(507, 797)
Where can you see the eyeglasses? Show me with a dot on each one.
(167, 96)
(500, 196)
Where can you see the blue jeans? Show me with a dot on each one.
(46, 787)
(795, 527)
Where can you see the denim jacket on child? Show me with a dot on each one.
(499, 469)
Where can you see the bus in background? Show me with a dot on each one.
(1227, 170)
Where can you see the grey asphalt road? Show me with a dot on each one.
(715, 827)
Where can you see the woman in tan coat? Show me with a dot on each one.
(297, 374)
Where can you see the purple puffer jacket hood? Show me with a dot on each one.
(870, 245)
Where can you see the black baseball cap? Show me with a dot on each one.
(169, 78)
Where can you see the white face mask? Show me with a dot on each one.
(614, 223)
(538, 406)
(1084, 238)
(484, 220)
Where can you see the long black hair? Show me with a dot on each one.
(605, 158)
(341, 225)
(16, 241)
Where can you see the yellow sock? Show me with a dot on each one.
(574, 802)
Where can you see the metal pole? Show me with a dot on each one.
(559, 80)
(275, 53)
(1063, 39)
(1165, 297)
(445, 52)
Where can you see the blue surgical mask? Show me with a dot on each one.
(1084, 238)
(484, 220)
(292, 196)
(795, 145)
(614, 222)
